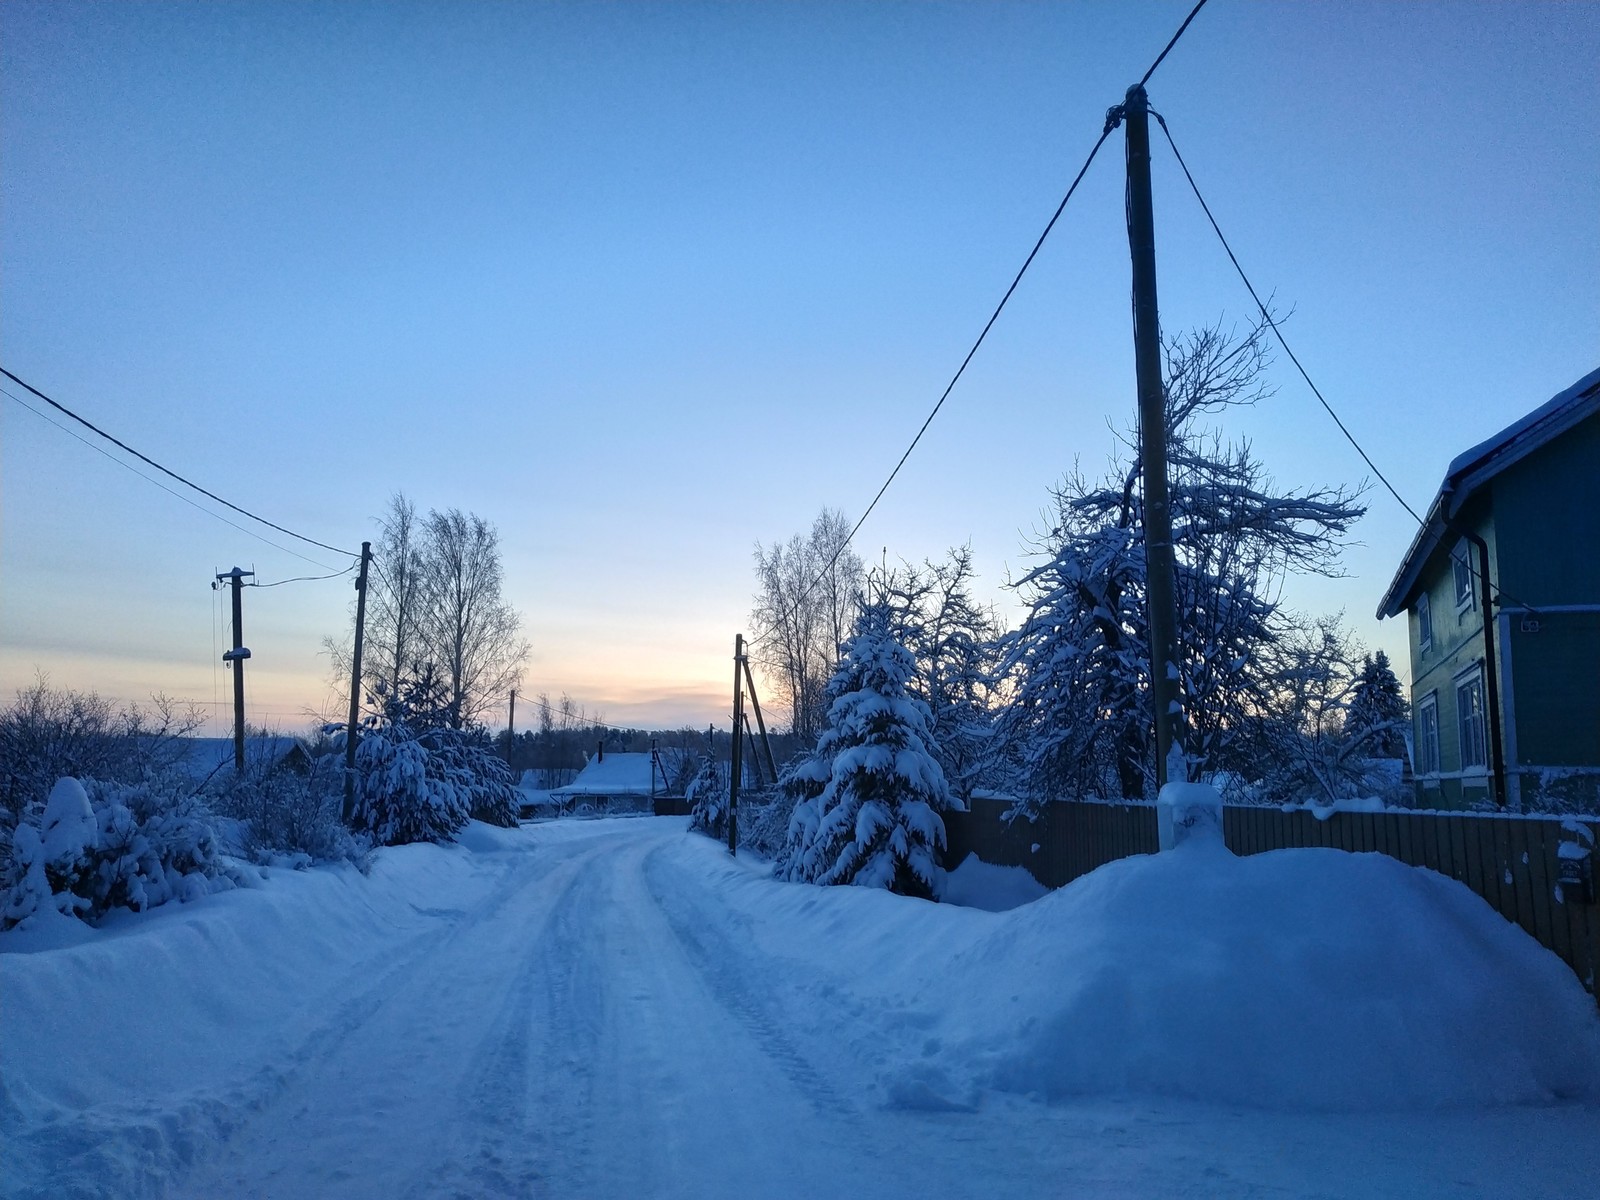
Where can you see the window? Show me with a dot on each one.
(1461, 567)
(1424, 623)
(1428, 735)
(1469, 717)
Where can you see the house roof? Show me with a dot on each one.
(612, 775)
(203, 756)
(1470, 470)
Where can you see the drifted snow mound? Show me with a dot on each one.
(1304, 979)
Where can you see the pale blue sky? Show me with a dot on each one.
(645, 284)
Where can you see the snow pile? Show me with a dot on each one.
(1301, 979)
(977, 884)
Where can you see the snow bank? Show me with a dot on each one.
(165, 1017)
(1309, 980)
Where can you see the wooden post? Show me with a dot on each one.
(755, 703)
(235, 660)
(735, 768)
(1160, 592)
(351, 735)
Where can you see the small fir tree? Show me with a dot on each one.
(874, 821)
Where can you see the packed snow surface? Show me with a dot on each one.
(617, 1008)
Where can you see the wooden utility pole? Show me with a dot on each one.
(1160, 590)
(735, 769)
(511, 726)
(350, 730)
(235, 660)
(755, 703)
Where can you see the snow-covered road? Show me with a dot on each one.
(612, 1009)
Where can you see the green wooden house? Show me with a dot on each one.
(1501, 588)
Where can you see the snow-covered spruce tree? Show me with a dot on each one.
(1378, 715)
(419, 779)
(707, 794)
(875, 821)
(1080, 721)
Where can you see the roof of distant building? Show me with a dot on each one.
(613, 775)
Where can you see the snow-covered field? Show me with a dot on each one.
(615, 1008)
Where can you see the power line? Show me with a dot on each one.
(1193, 13)
(1110, 125)
(1266, 315)
(127, 466)
(304, 578)
(166, 471)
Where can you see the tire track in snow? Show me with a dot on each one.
(718, 961)
(507, 1097)
(403, 995)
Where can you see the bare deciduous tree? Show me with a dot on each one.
(808, 589)
(467, 630)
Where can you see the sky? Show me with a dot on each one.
(645, 285)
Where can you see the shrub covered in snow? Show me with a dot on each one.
(423, 785)
(270, 814)
(48, 733)
(875, 819)
(97, 846)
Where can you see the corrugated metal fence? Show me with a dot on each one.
(1511, 861)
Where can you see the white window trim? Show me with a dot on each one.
(1473, 774)
(1428, 772)
(1424, 626)
(1462, 554)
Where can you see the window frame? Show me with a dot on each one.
(1462, 572)
(1424, 611)
(1428, 735)
(1468, 681)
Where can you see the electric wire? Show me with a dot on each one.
(127, 466)
(1472, 567)
(1193, 13)
(305, 578)
(166, 471)
(1105, 133)
(1266, 315)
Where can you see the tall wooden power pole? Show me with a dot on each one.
(511, 726)
(351, 734)
(235, 660)
(1160, 590)
(736, 767)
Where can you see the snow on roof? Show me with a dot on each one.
(1473, 468)
(612, 775)
(204, 755)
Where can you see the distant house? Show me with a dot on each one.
(1501, 587)
(203, 758)
(615, 782)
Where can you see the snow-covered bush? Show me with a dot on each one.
(403, 793)
(277, 813)
(875, 820)
(49, 733)
(97, 846)
(423, 785)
